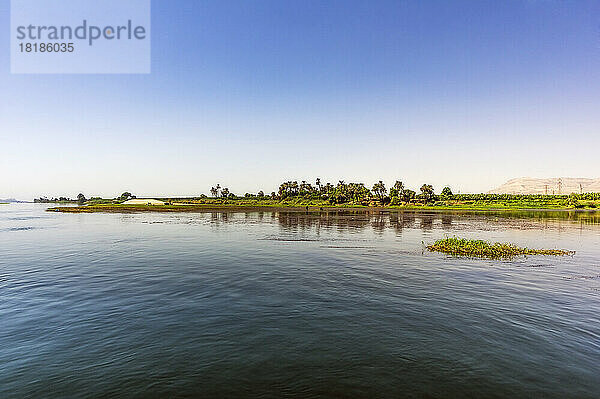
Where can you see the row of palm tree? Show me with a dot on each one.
(343, 192)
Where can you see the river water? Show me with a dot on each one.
(282, 304)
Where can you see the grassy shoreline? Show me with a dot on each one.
(116, 208)
(119, 208)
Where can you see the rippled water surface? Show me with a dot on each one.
(329, 304)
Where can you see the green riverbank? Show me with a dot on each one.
(232, 206)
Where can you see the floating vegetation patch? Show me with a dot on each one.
(342, 247)
(289, 239)
(582, 277)
(484, 249)
(19, 229)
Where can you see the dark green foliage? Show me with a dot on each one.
(379, 190)
(125, 196)
(427, 193)
(446, 194)
(397, 191)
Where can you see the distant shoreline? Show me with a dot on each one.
(116, 208)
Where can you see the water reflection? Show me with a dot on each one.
(379, 221)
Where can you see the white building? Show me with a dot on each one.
(143, 201)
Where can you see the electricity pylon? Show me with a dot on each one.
(559, 186)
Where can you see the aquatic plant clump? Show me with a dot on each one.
(479, 248)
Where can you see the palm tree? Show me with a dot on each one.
(447, 193)
(328, 188)
(397, 190)
(427, 192)
(379, 190)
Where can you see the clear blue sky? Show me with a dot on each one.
(250, 93)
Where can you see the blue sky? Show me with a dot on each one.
(251, 93)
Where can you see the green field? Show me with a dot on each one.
(179, 205)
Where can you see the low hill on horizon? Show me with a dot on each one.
(554, 185)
